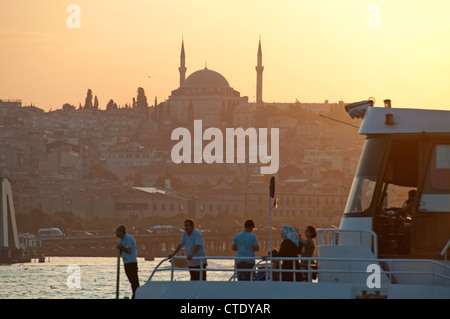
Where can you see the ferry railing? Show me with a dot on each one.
(444, 250)
(303, 271)
(438, 270)
(234, 270)
(438, 276)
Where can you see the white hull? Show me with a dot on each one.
(284, 290)
(347, 268)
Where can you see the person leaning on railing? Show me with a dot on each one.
(194, 247)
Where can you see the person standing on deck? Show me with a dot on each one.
(289, 248)
(245, 243)
(127, 247)
(194, 247)
(307, 247)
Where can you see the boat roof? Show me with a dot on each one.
(404, 121)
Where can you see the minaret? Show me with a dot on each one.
(259, 75)
(182, 67)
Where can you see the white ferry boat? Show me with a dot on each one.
(381, 250)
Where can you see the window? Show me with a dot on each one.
(439, 169)
(435, 196)
(364, 182)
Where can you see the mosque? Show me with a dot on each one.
(207, 95)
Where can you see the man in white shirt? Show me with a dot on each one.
(127, 247)
(194, 247)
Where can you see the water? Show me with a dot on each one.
(57, 278)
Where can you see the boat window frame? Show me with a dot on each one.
(359, 179)
(429, 190)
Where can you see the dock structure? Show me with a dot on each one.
(10, 249)
(9, 238)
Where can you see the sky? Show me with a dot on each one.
(313, 50)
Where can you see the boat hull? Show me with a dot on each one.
(284, 290)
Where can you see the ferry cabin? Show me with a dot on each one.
(405, 149)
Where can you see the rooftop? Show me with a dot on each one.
(404, 121)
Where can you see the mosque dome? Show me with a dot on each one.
(205, 79)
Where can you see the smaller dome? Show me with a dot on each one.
(205, 79)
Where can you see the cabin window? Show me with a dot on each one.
(401, 174)
(435, 196)
(440, 168)
(363, 186)
(364, 189)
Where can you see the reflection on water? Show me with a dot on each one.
(57, 278)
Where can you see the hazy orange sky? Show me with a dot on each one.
(312, 50)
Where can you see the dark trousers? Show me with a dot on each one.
(195, 274)
(131, 270)
(244, 275)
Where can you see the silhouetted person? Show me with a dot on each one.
(245, 243)
(127, 247)
(194, 247)
(407, 208)
(289, 248)
(307, 247)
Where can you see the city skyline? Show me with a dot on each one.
(350, 51)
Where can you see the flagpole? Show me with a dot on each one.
(271, 195)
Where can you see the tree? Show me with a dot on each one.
(39, 219)
(111, 105)
(96, 103)
(23, 221)
(65, 220)
(264, 113)
(88, 102)
(98, 171)
(141, 100)
(68, 107)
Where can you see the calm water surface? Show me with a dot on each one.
(57, 278)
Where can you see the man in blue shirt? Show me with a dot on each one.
(127, 247)
(194, 247)
(245, 243)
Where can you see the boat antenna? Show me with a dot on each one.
(338, 121)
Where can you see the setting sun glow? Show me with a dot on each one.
(313, 51)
